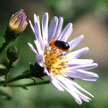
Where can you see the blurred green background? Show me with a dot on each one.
(89, 17)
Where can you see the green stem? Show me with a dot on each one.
(22, 76)
(25, 74)
(7, 71)
(28, 85)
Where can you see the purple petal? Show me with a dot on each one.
(40, 59)
(31, 25)
(46, 71)
(38, 32)
(84, 67)
(70, 88)
(35, 19)
(54, 82)
(52, 28)
(59, 28)
(82, 96)
(39, 49)
(75, 42)
(82, 75)
(67, 31)
(77, 62)
(32, 48)
(77, 54)
(73, 89)
(45, 28)
(79, 87)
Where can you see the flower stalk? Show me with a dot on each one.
(29, 84)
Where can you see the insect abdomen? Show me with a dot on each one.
(61, 44)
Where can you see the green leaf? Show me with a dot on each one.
(6, 92)
(2, 66)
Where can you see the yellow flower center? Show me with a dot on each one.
(54, 61)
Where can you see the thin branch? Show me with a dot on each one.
(24, 86)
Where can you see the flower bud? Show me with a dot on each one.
(18, 21)
(12, 54)
(17, 24)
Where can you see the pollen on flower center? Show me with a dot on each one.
(54, 61)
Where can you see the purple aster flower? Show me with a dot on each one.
(18, 22)
(61, 67)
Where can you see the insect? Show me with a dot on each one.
(64, 46)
